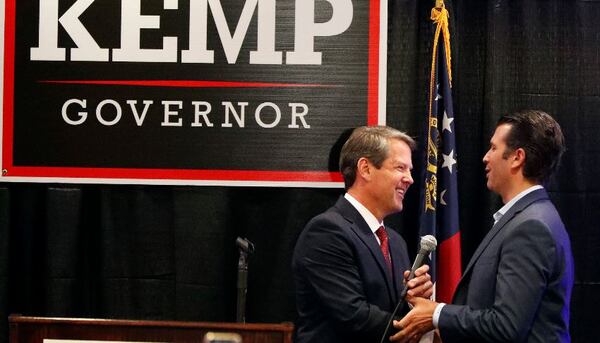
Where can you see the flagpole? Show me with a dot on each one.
(439, 216)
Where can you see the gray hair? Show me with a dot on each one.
(371, 142)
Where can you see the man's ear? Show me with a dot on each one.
(518, 158)
(363, 168)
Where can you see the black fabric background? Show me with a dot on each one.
(164, 252)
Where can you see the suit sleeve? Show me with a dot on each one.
(328, 263)
(526, 263)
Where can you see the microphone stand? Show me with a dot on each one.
(245, 248)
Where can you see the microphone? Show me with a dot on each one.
(245, 245)
(427, 244)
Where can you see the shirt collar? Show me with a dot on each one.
(502, 211)
(373, 223)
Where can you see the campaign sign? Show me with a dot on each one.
(207, 92)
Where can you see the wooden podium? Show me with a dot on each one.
(74, 330)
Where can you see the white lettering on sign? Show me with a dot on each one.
(110, 112)
(133, 24)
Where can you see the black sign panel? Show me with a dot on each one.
(194, 92)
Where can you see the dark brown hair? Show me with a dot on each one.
(540, 136)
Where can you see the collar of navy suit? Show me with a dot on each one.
(513, 201)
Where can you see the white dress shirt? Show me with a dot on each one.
(373, 223)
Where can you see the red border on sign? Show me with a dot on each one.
(9, 170)
(373, 90)
(9, 91)
(180, 174)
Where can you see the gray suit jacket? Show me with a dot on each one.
(344, 290)
(517, 286)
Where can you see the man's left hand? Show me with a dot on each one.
(420, 285)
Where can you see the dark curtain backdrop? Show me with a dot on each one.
(164, 252)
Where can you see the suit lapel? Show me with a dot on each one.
(362, 230)
(513, 211)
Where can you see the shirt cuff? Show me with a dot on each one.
(436, 314)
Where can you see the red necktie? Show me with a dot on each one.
(385, 249)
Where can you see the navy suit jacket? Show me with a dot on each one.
(344, 290)
(517, 286)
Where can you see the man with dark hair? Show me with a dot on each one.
(347, 265)
(517, 286)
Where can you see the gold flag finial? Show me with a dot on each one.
(439, 15)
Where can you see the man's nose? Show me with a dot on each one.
(409, 179)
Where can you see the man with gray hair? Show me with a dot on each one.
(348, 268)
